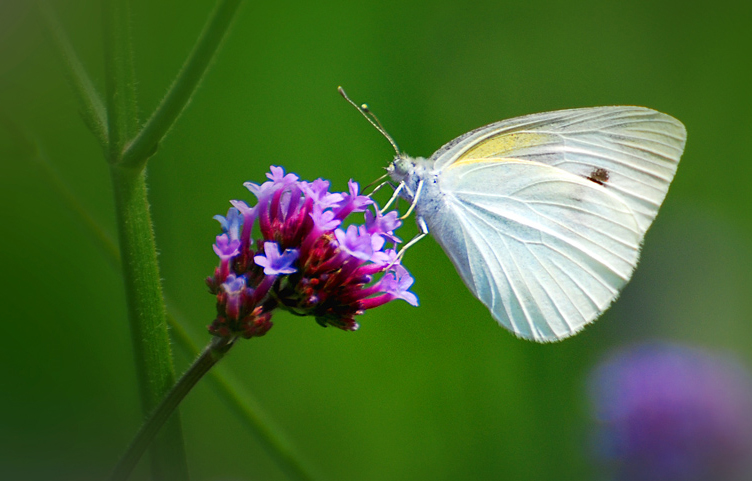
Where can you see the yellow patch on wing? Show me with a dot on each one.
(465, 161)
(503, 145)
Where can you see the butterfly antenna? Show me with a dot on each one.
(363, 109)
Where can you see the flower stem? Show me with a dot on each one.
(215, 351)
(146, 142)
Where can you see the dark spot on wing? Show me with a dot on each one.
(599, 176)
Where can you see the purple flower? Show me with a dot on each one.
(277, 179)
(238, 314)
(383, 225)
(242, 208)
(357, 244)
(352, 201)
(277, 175)
(397, 282)
(324, 219)
(236, 289)
(377, 241)
(394, 285)
(234, 285)
(232, 223)
(673, 413)
(303, 261)
(318, 191)
(275, 264)
(259, 191)
(226, 248)
(385, 258)
(249, 216)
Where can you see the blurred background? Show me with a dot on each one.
(435, 392)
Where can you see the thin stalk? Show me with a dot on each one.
(251, 415)
(90, 105)
(211, 355)
(146, 142)
(33, 150)
(103, 239)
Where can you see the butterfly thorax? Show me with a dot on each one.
(420, 187)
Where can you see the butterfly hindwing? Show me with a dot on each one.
(547, 251)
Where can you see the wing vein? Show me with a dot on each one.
(469, 207)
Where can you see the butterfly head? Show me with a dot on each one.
(401, 168)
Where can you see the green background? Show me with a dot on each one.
(435, 392)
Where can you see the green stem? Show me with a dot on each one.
(147, 140)
(90, 103)
(143, 291)
(122, 117)
(147, 315)
(211, 355)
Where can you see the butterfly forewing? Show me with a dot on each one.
(633, 151)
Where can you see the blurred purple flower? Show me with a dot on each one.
(668, 412)
(277, 175)
(302, 261)
(225, 248)
(231, 224)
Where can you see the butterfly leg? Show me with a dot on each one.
(423, 232)
(394, 196)
(414, 203)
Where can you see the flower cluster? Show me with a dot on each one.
(673, 413)
(293, 250)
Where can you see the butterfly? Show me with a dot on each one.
(543, 216)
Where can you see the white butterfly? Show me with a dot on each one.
(543, 215)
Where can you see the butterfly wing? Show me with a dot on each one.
(545, 250)
(633, 151)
